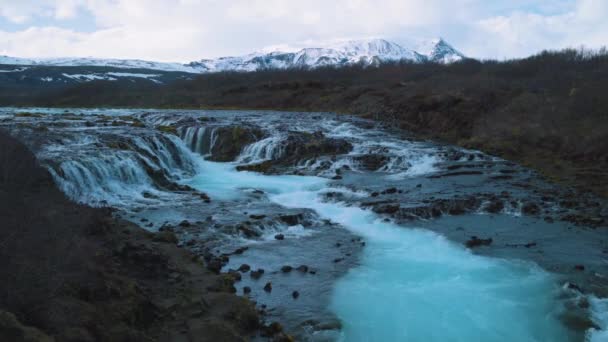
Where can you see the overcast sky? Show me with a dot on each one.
(186, 30)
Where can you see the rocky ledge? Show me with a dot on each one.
(299, 147)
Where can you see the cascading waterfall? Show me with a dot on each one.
(119, 177)
(103, 179)
(270, 148)
(199, 139)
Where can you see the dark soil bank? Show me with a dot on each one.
(548, 111)
(73, 273)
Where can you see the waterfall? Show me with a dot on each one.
(199, 139)
(118, 177)
(270, 148)
(103, 179)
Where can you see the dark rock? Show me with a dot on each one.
(166, 237)
(244, 268)
(230, 141)
(263, 167)
(257, 217)
(215, 265)
(459, 173)
(375, 194)
(246, 289)
(247, 231)
(268, 287)
(302, 268)
(279, 237)
(579, 267)
(256, 274)
(286, 269)
(474, 241)
(295, 294)
(205, 197)
(304, 146)
(495, 206)
(240, 250)
(390, 191)
(184, 223)
(292, 220)
(386, 208)
(272, 330)
(574, 287)
(371, 162)
(235, 275)
(530, 208)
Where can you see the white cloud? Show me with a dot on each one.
(184, 30)
(521, 34)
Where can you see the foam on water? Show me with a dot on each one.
(599, 315)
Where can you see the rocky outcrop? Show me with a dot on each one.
(301, 146)
(371, 162)
(229, 141)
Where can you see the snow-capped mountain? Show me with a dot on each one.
(365, 52)
(438, 50)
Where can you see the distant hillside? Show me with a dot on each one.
(18, 83)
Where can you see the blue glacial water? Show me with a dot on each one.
(412, 284)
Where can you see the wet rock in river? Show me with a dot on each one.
(292, 220)
(263, 167)
(279, 237)
(371, 162)
(286, 269)
(474, 241)
(301, 146)
(390, 191)
(386, 208)
(247, 231)
(302, 268)
(268, 287)
(530, 208)
(295, 294)
(244, 268)
(230, 141)
(494, 206)
(215, 265)
(256, 274)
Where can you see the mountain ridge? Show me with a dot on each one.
(365, 52)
